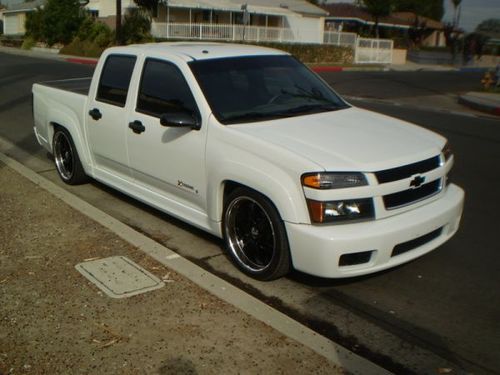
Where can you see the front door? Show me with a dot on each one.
(168, 161)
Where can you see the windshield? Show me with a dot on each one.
(258, 88)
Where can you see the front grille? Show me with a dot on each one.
(417, 242)
(406, 171)
(405, 197)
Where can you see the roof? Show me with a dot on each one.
(254, 6)
(25, 7)
(199, 51)
(397, 19)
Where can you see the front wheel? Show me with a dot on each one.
(68, 163)
(255, 235)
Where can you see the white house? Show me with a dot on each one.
(251, 20)
(14, 16)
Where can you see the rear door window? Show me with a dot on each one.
(115, 79)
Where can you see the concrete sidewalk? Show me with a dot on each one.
(53, 320)
(482, 101)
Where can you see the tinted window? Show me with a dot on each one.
(115, 79)
(258, 88)
(163, 89)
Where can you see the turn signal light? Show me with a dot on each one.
(333, 180)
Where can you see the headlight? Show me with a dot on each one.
(447, 152)
(340, 211)
(330, 180)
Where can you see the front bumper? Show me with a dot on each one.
(317, 249)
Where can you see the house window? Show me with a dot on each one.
(93, 13)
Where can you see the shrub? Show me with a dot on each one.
(28, 43)
(315, 53)
(33, 24)
(92, 38)
(136, 27)
(84, 48)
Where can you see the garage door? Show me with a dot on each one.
(11, 24)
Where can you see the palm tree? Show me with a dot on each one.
(118, 28)
(378, 9)
(456, 16)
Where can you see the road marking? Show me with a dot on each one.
(339, 355)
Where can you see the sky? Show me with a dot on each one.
(473, 11)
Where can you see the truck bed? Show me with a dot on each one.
(77, 85)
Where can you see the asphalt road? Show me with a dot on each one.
(440, 311)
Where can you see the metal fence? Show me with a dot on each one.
(222, 32)
(373, 51)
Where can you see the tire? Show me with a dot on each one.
(66, 158)
(255, 235)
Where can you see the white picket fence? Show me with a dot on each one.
(373, 51)
(222, 32)
(366, 50)
(340, 39)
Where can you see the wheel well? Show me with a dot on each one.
(230, 186)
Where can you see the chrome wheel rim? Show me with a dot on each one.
(63, 155)
(250, 234)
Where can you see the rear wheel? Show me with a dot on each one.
(255, 235)
(68, 163)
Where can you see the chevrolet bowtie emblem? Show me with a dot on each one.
(417, 181)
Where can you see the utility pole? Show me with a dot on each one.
(118, 26)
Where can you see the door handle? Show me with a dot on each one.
(95, 114)
(137, 127)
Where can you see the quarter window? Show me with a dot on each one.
(163, 89)
(115, 79)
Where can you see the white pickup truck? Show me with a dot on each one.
(250, 145)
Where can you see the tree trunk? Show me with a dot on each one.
(118, 28)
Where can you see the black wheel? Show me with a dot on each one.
(255, 235)
(68, 163)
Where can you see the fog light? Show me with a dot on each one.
(340, 211)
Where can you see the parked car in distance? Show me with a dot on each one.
(248, 144)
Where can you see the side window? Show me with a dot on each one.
(163, 89)
(115, 79)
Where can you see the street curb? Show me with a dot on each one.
(320, 69)
(478, 105)
(78, 60)
(344, 358)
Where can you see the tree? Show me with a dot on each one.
(57, 22)
(433, 9)
(150, 5)
(118, 25)
(491, 25)
(456, 16)
(378, 9)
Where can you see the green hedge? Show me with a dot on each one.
(307, 53)
(11, 41)
(315, 53)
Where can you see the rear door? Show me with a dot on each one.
(168, 161)
(107, 117)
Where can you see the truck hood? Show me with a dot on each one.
(351, 139)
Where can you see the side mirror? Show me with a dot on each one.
(180, 120)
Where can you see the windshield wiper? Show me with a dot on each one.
(310, 108)
(251, 116)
